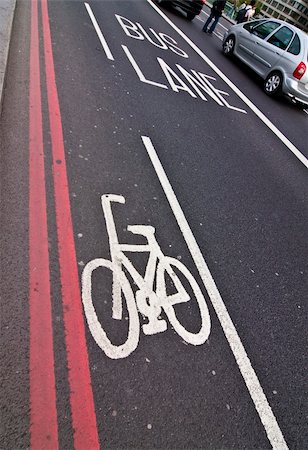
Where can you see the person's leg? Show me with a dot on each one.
(213, 26)
(207, 22)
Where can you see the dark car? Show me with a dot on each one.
(191, 7)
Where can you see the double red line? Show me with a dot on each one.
(43, 407)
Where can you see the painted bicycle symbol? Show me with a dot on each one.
(150, 298)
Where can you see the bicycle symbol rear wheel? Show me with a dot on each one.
(97, 331)
(192, 338)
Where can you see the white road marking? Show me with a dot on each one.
(235, 89)
(262, 406)
(99, 33)
(148, 300)
(218, 35)
(138, 71)
(195, 79)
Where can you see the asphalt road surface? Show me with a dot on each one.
(189, 330)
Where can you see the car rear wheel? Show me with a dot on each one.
(228, 46)
(273, 84)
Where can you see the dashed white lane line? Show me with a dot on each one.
(262, 406)
(234, 88)
(99, 33)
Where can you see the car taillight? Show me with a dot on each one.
(300, 70)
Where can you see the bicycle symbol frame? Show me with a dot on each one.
(151, 296)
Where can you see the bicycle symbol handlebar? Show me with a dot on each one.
(151, 297)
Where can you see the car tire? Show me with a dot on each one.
(190, 16)
(228, 46)
(273, 84)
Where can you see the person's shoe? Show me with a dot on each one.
(205, 30)
(210, 32)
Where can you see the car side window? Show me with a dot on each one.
(266, 28)
(295, 46)
(281, 38)
(252, 24)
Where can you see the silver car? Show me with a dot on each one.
(277, 51)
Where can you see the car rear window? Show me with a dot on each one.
(266, 28)
(295, 46)
(281, 38)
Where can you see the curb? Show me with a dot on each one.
(7, 10)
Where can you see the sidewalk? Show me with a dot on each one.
(7, 9)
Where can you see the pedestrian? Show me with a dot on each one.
(251, 11)
(246, 13)
(243, 6)
(216, 13)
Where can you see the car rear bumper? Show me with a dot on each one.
(296, 90)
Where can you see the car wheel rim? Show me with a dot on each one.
(273, 83)
(228, 46)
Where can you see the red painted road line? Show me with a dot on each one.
(43, 411)
(81, 395)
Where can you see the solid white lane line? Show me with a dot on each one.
(262, 406)
(235, 89)
(99, 33)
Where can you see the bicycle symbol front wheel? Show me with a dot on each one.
(97, 331)
(192, 338)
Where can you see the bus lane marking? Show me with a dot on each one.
(195, 80)
(234, 88)
(254, 387)
(198, 83)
